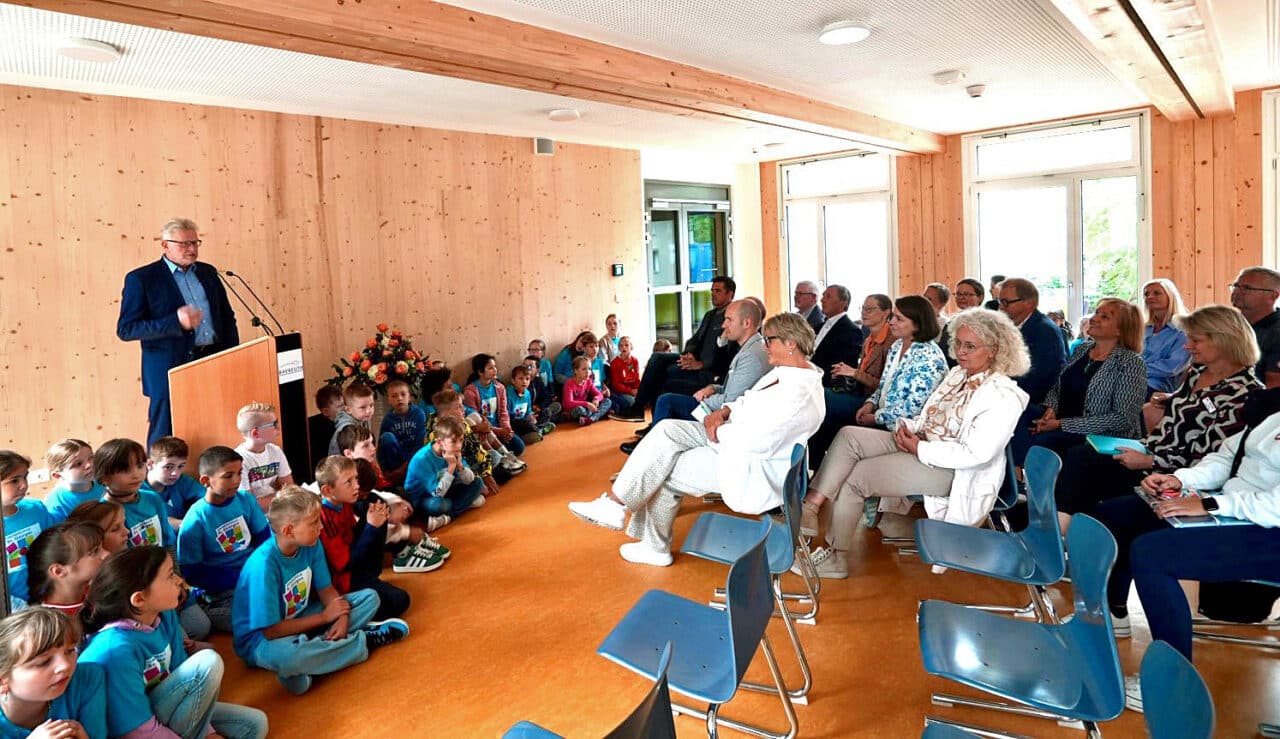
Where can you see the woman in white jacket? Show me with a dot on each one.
(742, 451)
(952, 453)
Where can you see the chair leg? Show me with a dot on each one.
(944, 699)
(1231, 639)
(1039, 607)
(1269, 730)
(808, 618)
(801, 694)
(715, 720)
(975, 730)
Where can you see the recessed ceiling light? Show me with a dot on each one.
(842, 33)
(87, 50)
(564, 115)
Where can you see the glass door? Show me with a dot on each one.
(689, 245)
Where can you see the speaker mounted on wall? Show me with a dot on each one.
(546, 147)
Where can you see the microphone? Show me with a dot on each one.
(229, 273)
(253, 316)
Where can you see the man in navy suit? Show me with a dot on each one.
(839, 340)
(806, 299)
(1020, 300)
(178, 309)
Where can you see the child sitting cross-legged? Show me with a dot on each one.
(70, 463)
(488, 396)
(24, 519)
(287, 617)
(166, 468)
(582, 400)
(402, 430)
(353, 546)
(154, 688)
(448, 404)
(266, 469)
(358, 410)
(439, 480)
(219, 533)
(520, 405)
(402, 533)
(44, 691)
(546, 409)
(322, 426)
(60, 564)
(624, 375)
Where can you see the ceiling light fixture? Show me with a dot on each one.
(87, 50)
(843, 33)
(564, 115)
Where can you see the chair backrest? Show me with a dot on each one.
(1043, 535)
(782, 548)
(652, 718)
(1175, 702)
(1093, 553)
(1008, 495)
(749, 599)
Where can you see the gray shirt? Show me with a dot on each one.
(748, 366)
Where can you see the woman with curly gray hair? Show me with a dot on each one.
(952, 453)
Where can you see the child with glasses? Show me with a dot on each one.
(265, 468)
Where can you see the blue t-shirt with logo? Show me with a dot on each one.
(409, 429)
(215, 540)
(488, 401)
(272, 588)
(135, 659)
(147, 519)
(180, 496)
(62, 501)
(83, 701)
(20, 530)
(519, 405)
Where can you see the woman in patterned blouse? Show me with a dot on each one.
(1198, 416)
(949, 447)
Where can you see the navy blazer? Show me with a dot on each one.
(149, 313)
(816, 318)
(843, 343)
(1048, 356)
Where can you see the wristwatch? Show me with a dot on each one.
(1210, 503)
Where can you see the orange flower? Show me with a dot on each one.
(355, 357)
(402, 368)
(410, 355)
(379, 378)
(396, 334)
(386, 353)
(382, 366)
(419, 366)
(394, 342)
(346, 371)
(371, 343)
(366, 364)
(383, 327)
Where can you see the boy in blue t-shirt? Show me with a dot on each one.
(70, 463)
(546, 409)
(403, 429)
(288, 617)
(219, 533)
(166, 465)
(521, 407)
(23, 521)
(439, 481)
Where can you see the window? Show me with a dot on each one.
(689, 242)
(839, 225)
(1064, 207)
(1271, 177)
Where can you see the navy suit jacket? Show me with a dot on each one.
(1048, 355)
(816, 318)
(843, 343)
(149, 313)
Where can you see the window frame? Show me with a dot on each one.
(1270, 178)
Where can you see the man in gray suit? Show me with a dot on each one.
(742, 321)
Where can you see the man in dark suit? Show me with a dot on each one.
(178, 309)
(806, 299)
(994, 302)
(839, 340)
(1020, 300)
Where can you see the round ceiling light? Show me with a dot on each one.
(564, 115)
(843, 33)
(87, 50)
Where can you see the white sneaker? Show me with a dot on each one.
(513, 465)
(642, 554)
(1133, 693)
(1120, 627)
(830, 564)
(479, 501)
(437, 522)
(602, 512)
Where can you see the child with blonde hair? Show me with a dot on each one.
(70, 464)
(265, 468)
(582, 400)
(44, 691)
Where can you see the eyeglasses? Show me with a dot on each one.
(967, 347)
(265, 426)
(799, 293)
(193, 243)
(966, 295)
(869, 308)
(767, 339)
(1006, 302)
(1250, 288)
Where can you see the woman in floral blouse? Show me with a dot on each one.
(1198, 416)
(913, 368)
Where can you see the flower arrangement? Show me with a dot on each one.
(388, 355)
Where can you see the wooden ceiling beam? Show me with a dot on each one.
(449, 41)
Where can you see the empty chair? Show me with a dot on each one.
(1032, 556)
(723, 538)
(650, 720)
(1062, 671)
(1175, 701)
(712, 648)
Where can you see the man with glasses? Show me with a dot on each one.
(806, 299)
(1020, 300)
(1254, 294)
(839, 340)
(968, 294)
(178, 309)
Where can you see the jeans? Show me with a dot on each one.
(193, 619)
(622, 402)
(515, 445)
(185, 702)
(391, 455)
(600, 412)
(303, 654)
(393, 601)
(842, 410)
(456, 501)
(1055, 441)
(1155, 556)
(673, 405)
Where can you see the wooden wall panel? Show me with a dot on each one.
(930, 219)
(468, 242)
(777, 294)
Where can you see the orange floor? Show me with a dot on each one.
(507, 630)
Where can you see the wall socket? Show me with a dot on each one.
(37, 476)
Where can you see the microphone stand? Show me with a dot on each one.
(253, 316)
(264, 306)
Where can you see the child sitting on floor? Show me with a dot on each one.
(44, 691)
(582, 400)
(166, 468)
(403, 429)
(489, 397)
(439, 480)
(287, 616)
(107, 516)
(24, 519)
(358, 398)
(521, 408)
(60, 564)
(479, 459)
(624, 376)
(70, 463)
(266, 469)
(322, 426)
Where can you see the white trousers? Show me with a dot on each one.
(672, 460)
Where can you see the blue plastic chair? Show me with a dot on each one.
(650, 720)
(1269, 730)
(712, 648)
(722, 538)
(1062, 671)
(1244, 640)
(1032, 557)
(945, 731)
(1176, 704)
(1006, 498)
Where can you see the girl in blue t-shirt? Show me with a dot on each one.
(152, 685)
(61, 563)
(24, 519)
(43, 692)
(489, 397)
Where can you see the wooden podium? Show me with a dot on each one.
(205, 395)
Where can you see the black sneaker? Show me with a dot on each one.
(644, 430)
(628, 447)
(381, 633)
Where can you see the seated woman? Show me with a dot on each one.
(953, 452)
(1154, 556)
(562, 367)
(852, 385)
(1164, 343)
(1203, 412)
(742, 451)
(913, 367)
(1099, 391)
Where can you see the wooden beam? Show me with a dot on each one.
(1167, 49)
(445, 40)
